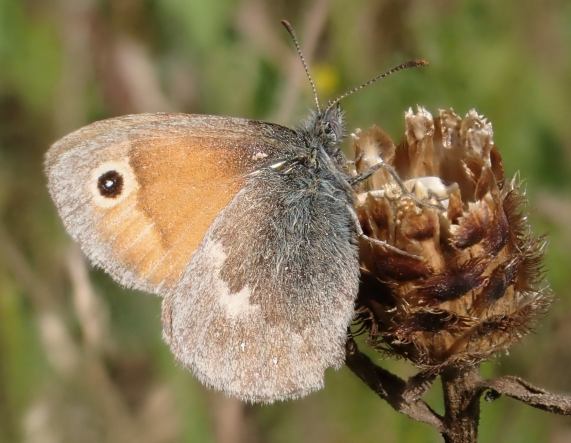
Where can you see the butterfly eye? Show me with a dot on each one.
(110, 184)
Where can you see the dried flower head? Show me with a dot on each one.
(475, 285)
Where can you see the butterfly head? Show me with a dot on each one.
(327, 127)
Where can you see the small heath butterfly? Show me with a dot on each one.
(246, 230)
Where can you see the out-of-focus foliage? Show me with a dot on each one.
(81, 360)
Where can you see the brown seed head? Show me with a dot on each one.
(479, 284)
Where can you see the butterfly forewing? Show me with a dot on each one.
(176, 171)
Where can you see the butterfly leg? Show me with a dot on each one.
(366, 174)
(353, 181)
(381, 243)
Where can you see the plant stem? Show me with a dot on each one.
(462, 404)
(462, 388)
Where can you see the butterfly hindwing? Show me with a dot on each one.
(263, 308)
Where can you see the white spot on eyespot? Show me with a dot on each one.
(275, 361)
(242, 346)
(259, 156)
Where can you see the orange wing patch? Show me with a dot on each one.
(183, 183)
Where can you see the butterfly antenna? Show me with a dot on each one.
(410, 64)
(291, 32)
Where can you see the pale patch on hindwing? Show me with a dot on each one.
(234, 305)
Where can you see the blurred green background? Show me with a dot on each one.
(81, 360)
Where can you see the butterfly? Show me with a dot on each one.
(246, 230)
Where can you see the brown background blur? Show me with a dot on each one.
(81, 360)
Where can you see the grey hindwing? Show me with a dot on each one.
(263, 308)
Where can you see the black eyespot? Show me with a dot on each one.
(110, 184)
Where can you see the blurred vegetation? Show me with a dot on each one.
(81, 360)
